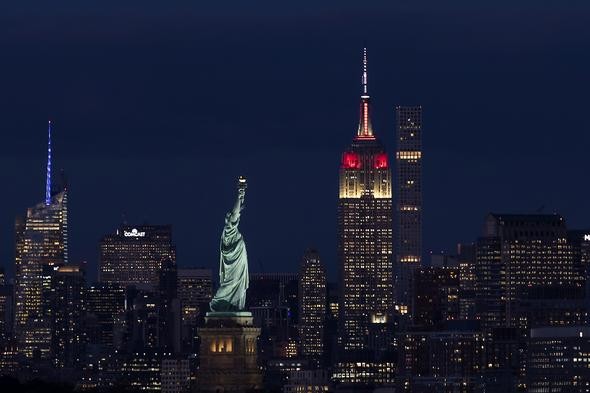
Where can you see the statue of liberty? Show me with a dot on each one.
(233, 261)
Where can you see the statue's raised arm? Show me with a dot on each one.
(233, 260)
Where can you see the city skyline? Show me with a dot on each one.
(415, 219)
(103, 145)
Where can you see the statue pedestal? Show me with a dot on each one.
(228, 356)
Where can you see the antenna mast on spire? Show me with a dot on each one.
(364, 80)
(48, 180)
(365, 130)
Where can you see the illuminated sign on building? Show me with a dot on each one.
(587, 237)
(134, 233)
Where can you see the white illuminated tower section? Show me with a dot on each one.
(365, 238)
(408, 195)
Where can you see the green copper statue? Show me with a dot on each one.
(233, 261)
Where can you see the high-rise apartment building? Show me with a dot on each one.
(408, 200)
(134, 255)
(365, 232)
(312, 305)
(41, 240)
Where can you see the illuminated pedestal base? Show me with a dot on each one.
(228, 357)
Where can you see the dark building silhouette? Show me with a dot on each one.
(408, 200)
(6, 310)
(195, 290)
(312, 306)
(440, 361)
(66, 310)
(273, 300)
(169, 309)
(558, 359)
(105, 308)
(436, 297)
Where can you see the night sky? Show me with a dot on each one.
(158, 107)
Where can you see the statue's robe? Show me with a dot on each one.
(233, 269)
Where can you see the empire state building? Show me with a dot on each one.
(365, 234)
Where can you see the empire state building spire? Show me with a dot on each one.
(48, 179)
(365, 130)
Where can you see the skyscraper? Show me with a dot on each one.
(273, 300)
(134, 255)
(67, 308)
(105, 304)
(523, 258)
(365, 233)
(41, 239)
(312, 305)
(169, 308)
(408, 199)
(195, 289)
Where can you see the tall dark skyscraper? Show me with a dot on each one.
(365, 232)
(408, 200)
(41, 240)
(134, 255)
(195, 290)
(66, 308)
(312, 305)
(105, 304)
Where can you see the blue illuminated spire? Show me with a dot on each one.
(48, 180)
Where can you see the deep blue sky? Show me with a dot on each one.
(157, 107)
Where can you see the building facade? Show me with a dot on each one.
(312, 305)
(519, 260)
(195, 290)
(558, 360)
(134, 255)
(408, 200)
(67, 309)
(105, 305)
